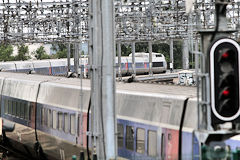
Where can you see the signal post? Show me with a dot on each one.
(219, 109)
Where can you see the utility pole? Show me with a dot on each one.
(150, 57)
(68, 57)
(171, 55)
(119, 61)
(102, 61)
(133, 60)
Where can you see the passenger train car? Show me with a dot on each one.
(59, 66)
(45, 110)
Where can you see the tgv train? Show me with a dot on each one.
(59, 66)
(46, 113)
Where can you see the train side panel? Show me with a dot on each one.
(8, 66)
(42, 67)
(59, 67)
(24, 66)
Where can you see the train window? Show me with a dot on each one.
(49, 118)
(42, 116)
(60, 121)
(163, 146)
(18, 105)
(157, 64)
(9, 107)
(31, 110)
(66, 123)
(120, 135)
(129, 137)
(14, 108)
(152, 143)
(26, 111)
(169, 137)
(54, 114)
(72, 120)
(5, 106)
(21, 110)
(141, 140)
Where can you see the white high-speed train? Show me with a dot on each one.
(59, 66)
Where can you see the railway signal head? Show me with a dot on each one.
(224, 77)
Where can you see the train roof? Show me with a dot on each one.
(141, 102)
(148, 88)
(143, 54)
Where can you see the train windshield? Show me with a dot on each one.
(159, 55)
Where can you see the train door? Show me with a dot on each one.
(171, 138)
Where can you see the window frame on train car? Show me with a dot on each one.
(126, 138)
(18, 109)
(31, 109)
(14, 108)
(26, 110)
(137, 133)
(54, 119)
(49, 118)
(5, 106)
(60, 126)
(43, 112)
(9, 107)
(66, 121)
(22, 110)
(150, 146)
(73, 127)
(120, 134)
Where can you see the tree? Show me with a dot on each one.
(61, 50)
(22, 53)
(6, 51)
(41, 53)
(126, 49)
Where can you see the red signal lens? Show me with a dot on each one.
(226, 92)
(225, 55)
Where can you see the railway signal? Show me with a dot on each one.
(224, 79)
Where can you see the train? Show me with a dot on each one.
(45, 111)
(58, 67)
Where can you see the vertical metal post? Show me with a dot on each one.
(133, 60)
(171, 55)
(185, 55)
(102, 79)
(108, 78)
(119, 61)
(150, 57)
(76, 58)
(95, 75)
(196, 56)
(68, 57)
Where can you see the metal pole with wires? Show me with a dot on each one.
(108, 79)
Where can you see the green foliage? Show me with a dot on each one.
(41, 53)
(126, 50)
(61, 50)
(6, 51)
(141, 47)
(23, 53)
(177, 54)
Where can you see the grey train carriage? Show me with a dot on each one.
(45, 112)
